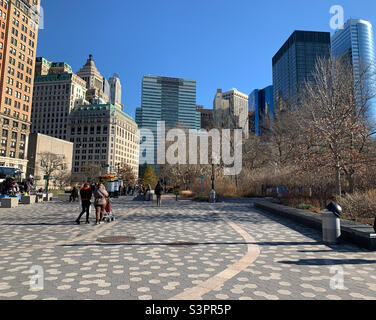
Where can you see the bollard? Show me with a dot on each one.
(212, 196)
(331, 227)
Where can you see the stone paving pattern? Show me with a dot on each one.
(293, 263)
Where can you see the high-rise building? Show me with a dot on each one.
(261, 103)
(294, 63)
(356, 40)
(18, 44)
(115, 90)
(172, 100)
(57, 90)
(231, 110)
(95, 83)
(104, 137)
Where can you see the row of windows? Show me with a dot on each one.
(14, 135)
(16, 114)
(12, 154)
(15, 124)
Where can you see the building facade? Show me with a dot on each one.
(104, 137)
(231, 110)
(262, 105)
(57, 90)
(356, 40)
(172, 100)
(115, 90)
(18, 41)
(39, 144)
(206, 118)
(294, 62)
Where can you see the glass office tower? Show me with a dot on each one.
(261, 102)
(171, 100)
(294, 62)
(356, 40)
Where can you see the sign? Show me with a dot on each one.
(46, 177)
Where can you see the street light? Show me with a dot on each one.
(212, 196)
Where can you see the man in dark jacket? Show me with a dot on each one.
(86, 195)
(158, 193)
(74, 194)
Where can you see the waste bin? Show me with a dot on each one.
(331, 223)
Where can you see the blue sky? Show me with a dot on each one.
(219, 43)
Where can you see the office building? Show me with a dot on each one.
(172, 100)
(206, 118)
(261, 104)
(18, 44)
(57, 90)
(231, 110)
(356, 40)
(115, 91)
(104, 137)
(294, 63)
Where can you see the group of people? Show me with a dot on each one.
(10, 187)
(100, 201)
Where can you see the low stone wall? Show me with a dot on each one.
(362, 235)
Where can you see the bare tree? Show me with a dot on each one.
(50, 164)
(333, 120)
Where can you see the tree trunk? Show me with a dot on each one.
(350, 180)
(338, 181)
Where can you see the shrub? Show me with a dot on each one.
(359, 206)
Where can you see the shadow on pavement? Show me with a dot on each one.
(323, 262)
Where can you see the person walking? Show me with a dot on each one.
(86, 195)
(101, 196)
(158, 193)
(74, 194)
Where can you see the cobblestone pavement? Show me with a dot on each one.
(182, 250)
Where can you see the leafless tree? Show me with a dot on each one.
(50, 164)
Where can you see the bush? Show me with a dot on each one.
(359, 206)
(303, 206)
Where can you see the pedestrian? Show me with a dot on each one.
(158, 193)
(101, 198)
(74, 194)
(86, 195)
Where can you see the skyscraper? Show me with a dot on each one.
(95, 83)
(356, 40)
(231, 110)
(294, 62)
(115, 90)
(18, 45)
(172, 100)
(261, 103)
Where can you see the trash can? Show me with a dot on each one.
(331, 223)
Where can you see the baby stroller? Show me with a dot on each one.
(108, 214)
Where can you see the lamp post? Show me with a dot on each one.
(212, 197)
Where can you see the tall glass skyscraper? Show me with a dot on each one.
(172, 100)
(294, 62)
(356, 40)
(261, 102)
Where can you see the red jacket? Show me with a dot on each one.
(86, 193)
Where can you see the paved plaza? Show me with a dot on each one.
(181, 251)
